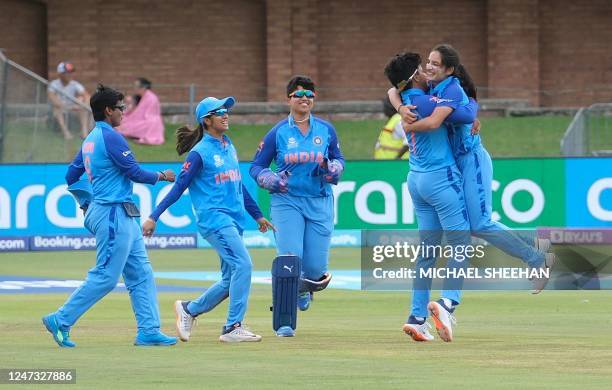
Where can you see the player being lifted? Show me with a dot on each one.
(308, 160)
(451, 85)
(435, 186)
(212, 174)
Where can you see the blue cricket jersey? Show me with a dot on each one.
(450, 94)
(300, 155)
(431, 150)
(110, 166)
(212, 174)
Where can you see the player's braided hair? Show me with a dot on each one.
(450, 59)
(186, 138)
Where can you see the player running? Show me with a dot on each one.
(212, 174)
(449, 81)
(308, 160)
(111, 216)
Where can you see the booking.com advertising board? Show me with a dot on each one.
(37, 213)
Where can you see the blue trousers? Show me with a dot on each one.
(439, 205)
(120, 250)
(477, 170)
(304, 227)
(235, 283)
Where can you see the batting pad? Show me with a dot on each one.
(286, 272)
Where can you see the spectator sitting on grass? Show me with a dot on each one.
(144, 122)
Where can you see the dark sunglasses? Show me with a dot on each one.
(121, 107)
(303, 92)
(219, 112)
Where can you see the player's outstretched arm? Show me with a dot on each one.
(192, 166)
(121, 155)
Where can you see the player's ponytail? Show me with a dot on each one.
(450, 59)
(466, 81)
(186, 138)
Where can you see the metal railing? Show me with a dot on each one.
(28, 129)
(590, 132)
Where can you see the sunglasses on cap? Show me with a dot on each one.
(303, 92)
(218, 112)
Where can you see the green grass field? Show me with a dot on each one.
(348, 339)
(357, 138)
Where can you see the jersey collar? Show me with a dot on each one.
(209, 138)
(104, 125)
(443, 84)
(292, 123)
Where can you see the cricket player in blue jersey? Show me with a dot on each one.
(308, 161)
(212, 174)
(111, 216)
(451, 84)
(435, 186)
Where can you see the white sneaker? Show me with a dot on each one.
(540, 283)
(184, 321)
(443, 320)
(418, 332)
(542, 244)
(239, 334)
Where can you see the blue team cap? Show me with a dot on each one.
(211, 104)
(82, 191)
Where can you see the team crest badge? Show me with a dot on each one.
(317, 140)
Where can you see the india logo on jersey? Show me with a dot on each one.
(317, 141)
(218, 160)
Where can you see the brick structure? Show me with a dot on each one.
(551, 52)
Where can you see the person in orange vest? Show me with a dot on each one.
(392, 142)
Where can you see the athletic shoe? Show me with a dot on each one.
(540, 283)
(155, 339)
(238, 333)
(184, 321)
(304, 300)
(443, 319)
(419, 331)
(61, 337)
(542, 244)
(285, 331)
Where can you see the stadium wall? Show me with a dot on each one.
(554, 53)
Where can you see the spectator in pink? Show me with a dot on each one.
(143, 121)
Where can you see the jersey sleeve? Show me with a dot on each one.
(452, 96)
(75, 169)
(334, 152)
(250, 205)
(121, 155)
(264, 154)
(464, 114)
(192, 166)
